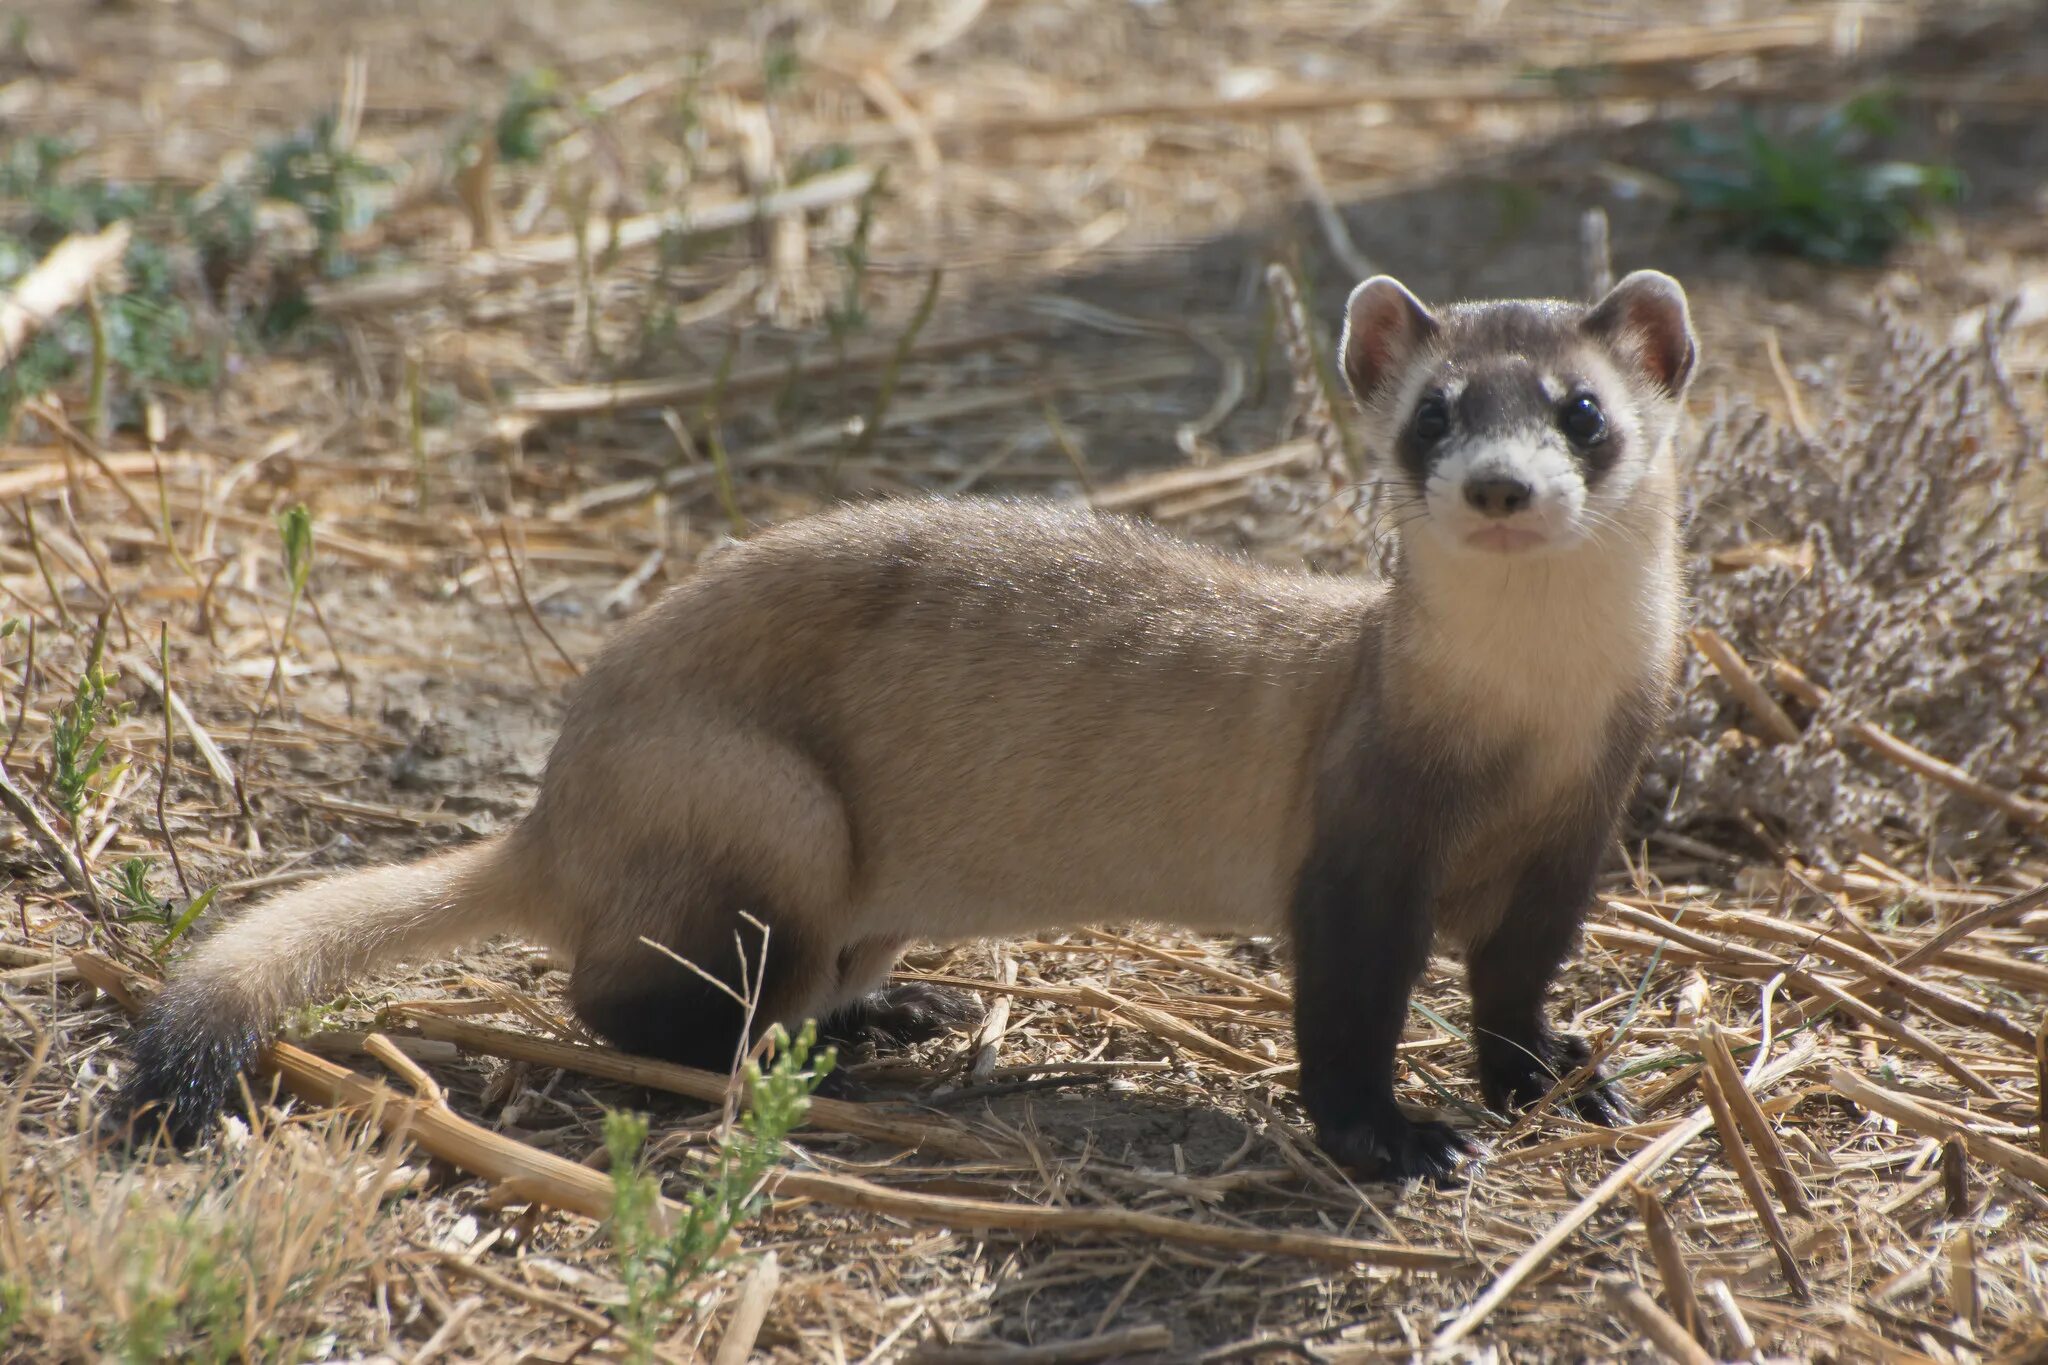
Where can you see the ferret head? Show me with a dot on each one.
(1522, 426)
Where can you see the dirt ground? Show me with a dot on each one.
(1060, 289)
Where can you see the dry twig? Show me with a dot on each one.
(1626, 1299)
(1743, 683)
(1910, 1114)
(483, 269)
(1118, 1345)
(1636, 1169)
(825, 1115)
(57, 283)
(1670, 1259)
(1740, 1162)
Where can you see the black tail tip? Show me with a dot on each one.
(187, 1063)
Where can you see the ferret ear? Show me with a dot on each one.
(1644, 320)
(1384, 327)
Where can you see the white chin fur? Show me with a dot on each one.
(1555, 518)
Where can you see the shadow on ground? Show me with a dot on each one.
(1510, 225)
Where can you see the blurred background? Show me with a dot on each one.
(1101, 184)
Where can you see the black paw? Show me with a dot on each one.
(1396, 1147)
(1514, 1075)
(897, 1016)
(1603, 1103)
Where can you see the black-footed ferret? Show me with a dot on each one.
(932, 720)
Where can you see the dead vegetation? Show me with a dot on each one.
(530, 309)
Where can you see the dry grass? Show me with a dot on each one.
(1809, 967)
(253, 1252)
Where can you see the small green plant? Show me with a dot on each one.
(657, 1265)
(781, 64)
(885, 392)
(1517, 205)
(195, 1317)
(524, 132)
(78, 754)
(185, 920)
(295, 538)
(683, 123)
(132, 893)
(53, 204)
(138, 902)
(817, 161)
(318, 171)
(849, 315)
(306, 1020)
(1817, 193)
(234, 1259)
(295, 531)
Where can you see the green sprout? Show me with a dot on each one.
(295, 530)
(131, 890)
(657, 1265)
(78, 752)
(522, 130)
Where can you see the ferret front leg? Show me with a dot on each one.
(1520, 1055)
(1362, 932)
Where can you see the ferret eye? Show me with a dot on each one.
(1432, 420)
(1582, 419)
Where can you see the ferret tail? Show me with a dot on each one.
(222, 1003)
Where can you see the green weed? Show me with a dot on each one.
(885, 392)
(304, 1021)
(781, 65)
(78, 754)
(1817, 192)
(817, 161)
(524, 132)
(144, 332)
(684, 124)
(193, 1317)
(657, 1266)
(185, 920)
(132, 893)
(53, 204)
(316, 171)
(295, 539)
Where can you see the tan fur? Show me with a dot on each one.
(934, 720)
(951, 721)
(1015, 765)
(309, 942)
(890, 723)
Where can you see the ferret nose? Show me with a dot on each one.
(1498, 497)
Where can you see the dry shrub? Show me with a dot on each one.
(236, 1257)
(1903, 572)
